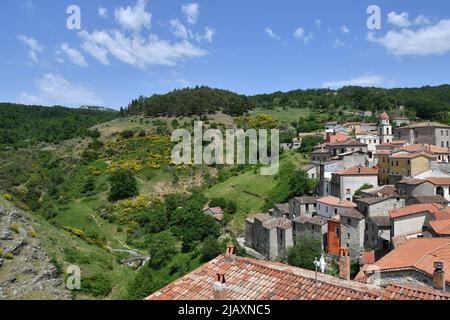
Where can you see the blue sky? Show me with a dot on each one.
(129, 48)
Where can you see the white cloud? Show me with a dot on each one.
(207, 35)
(318, 22)
(300, 34)
(103, 12)
(137, 51)
(338, 43)
(179, 30)
(428, 40)
(400, 20)
(422, 20)
(344, 29)
(367, 80)
(192, 12)
(134, 18)
(271, 34)
(74, 55)
(34, 47)
(56, 90)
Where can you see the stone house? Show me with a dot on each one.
(280, 210)
(379, 206)
(336, 137)
(316, 227)
(312, 170)
(413, 263)
(378, 233)
(330, 206)
(410, 221)
(344, 183)
(346, 230)
(268, 235)
(302, 206)
(415, 187)
(428, 133)
(216, 213)
(441, 186)
(401, 121)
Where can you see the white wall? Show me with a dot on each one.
(409, 225)
(354, 183)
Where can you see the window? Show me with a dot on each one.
(442, 144)
(348, 191)
(349, 222)
(447, 144)
(348, 235)
(442, 132)
(338, 232)
(396, 163)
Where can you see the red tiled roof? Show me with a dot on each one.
(406, 292)
(439, 181)
(404, 155)
(384, 116)
(414, 209)
(250, 279)
(358, 171)
(425, 147)
(441, 227)
(420, 254)
(333, 201)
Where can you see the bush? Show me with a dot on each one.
(210, 249)
(97, 285)
(9, 256)
(14, 227)
(303, 253)
(123, 185)
(127, 134)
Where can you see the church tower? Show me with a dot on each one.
(385, 129)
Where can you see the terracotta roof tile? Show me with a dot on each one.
(441, 227)
(250, 279)
(358, 171)
(333, 201)
(439, 181)
(415, 209)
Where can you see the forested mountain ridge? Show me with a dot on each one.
(22, 125)
(191, 101)
(427, 102)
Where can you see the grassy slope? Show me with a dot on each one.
(250, 191)
(287, 115)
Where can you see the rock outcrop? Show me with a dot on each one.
(26, 270)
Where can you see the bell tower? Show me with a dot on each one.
(385, 129)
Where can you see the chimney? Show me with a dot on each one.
(344, 264)
(439, 276)
(229, 253)
(220, 287)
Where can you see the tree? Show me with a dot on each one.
(303, 253)
(89, 185)
(123, 185)
(210, 249)
(300, 184)
(309, 142)
(162, 247)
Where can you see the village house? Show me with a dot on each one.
(410, 221)
(315, 227)
(326, 170)
(403, 165)
(345, 183)
(302, 206)
(280, 210)
(377, 234)
(441, 186)
(352, 145)
(415, 187)
(401, 121)
(442, 154)
(427, 133)
(268, 235)
(330, 206)
(230, 277)
(417, 262)
(336, 137)
(346, 230)
(216, 213)
(312, 170)
(320, 155)
(371, 140)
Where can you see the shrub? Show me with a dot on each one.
(7, 197)
(303, 253)
(31, 233)
(9, 256)
(14, 227)
(127, 134)
(123, 185)
(97, 285)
